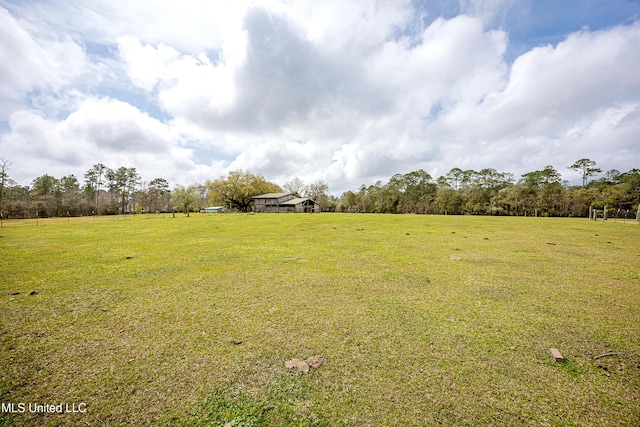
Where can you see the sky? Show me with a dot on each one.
(344, 91)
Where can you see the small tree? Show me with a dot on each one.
(4, 179)
(94, 178)
(158, 190)
(122, 184)
(45, 192)
(70, 189)
(185, 198)
(586, 169)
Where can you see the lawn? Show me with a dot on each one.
(423, 320)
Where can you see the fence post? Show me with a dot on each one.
(590, 214)
(604, 215)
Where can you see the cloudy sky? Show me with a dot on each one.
(347, 92)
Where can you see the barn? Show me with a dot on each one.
(284, 202)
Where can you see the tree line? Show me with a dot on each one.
(105, 191)
(109, 191)
(490, 192)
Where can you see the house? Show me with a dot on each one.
(284, 202)
(215, 209)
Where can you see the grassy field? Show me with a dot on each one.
(423, 320)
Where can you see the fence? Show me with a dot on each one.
(607, 213)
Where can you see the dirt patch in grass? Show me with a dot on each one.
(283, 401)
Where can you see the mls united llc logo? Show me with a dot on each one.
(44, 408)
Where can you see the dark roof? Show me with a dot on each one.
(273, 195)
(296, 201)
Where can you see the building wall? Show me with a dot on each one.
(266, 205)
(273, 205)
(303, 208)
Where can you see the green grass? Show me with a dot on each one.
(137, 318)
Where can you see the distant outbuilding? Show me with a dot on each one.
(284, 202)
(215, 209)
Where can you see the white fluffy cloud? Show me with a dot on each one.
(346, 92)
(555, 86)
(100, 131)
(580, 96)
(31, 62)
